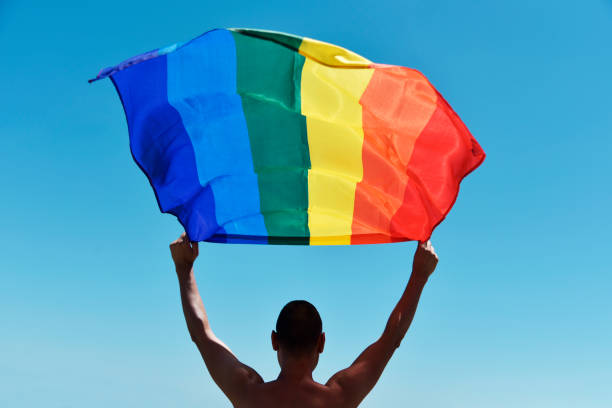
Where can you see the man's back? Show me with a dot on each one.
(284, 394)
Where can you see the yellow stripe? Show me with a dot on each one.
(330, 101)
(331, 55)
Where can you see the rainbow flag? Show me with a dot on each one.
(251, 136)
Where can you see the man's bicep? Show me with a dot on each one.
(356, 381)
(231, 375)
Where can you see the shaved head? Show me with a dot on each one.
(298, 327)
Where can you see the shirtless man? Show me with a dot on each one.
(298, 341)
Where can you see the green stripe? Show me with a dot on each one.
(268, 81)
(288, 40)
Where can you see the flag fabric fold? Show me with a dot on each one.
(252, 136)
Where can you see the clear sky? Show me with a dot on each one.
(518, 314)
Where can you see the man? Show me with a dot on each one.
(298, 341)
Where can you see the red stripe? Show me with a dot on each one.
(444, 154)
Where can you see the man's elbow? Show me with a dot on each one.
(201, 335)
(197, 334)
(197, 338)
(392, 339)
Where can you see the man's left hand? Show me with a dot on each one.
(184, 252)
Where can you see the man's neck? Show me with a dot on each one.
(296, 370)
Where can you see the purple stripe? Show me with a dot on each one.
(161, 147)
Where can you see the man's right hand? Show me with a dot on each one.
(425, 260)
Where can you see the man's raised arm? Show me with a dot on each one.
(356, 381)
(227, 371)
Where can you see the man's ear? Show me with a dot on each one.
(274, 338)
(321, 344)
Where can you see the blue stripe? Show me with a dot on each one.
(161, 147)
(202, 88)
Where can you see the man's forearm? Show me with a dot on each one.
(193, 307)
(404, 311)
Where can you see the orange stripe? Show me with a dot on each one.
(397, 105)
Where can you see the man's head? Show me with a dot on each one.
(299, 330)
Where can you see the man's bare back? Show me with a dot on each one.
(304, 394)
(298, 341)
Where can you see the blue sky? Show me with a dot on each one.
(517, 314)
